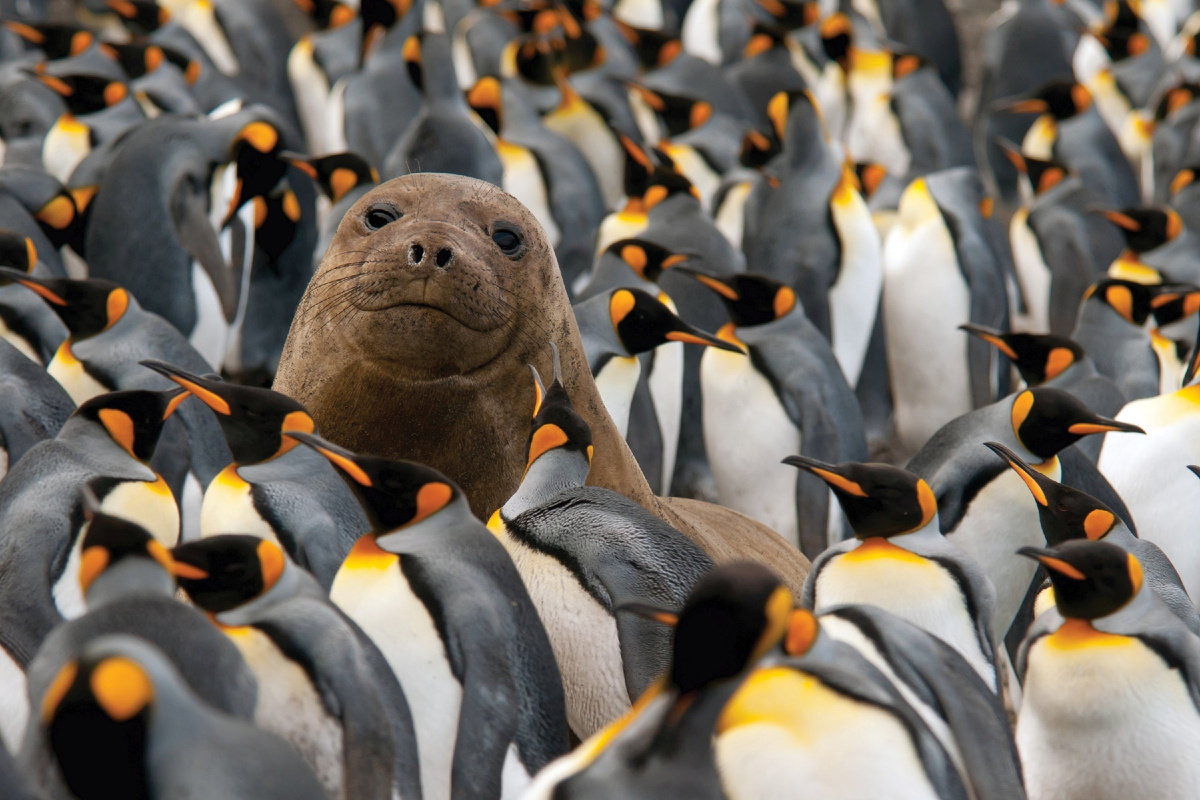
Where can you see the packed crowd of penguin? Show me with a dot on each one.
(945, 346)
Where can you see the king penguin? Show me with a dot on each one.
(664, 746)
(1107, 673)
(788, 396)
(323, 685)
(470, 652)
(900, 562)
(1068, 514)
(583, 551)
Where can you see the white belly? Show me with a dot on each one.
(288, 704)
(523, 180)
(67, 143)
(584, 638)
(1147, 469)
(700, 31)
(151, 505)
(692, 165)
(19, 342)
(873, 133)
(1002, 518)
(74, 379)
(813, 742)
(514, 779)
(747, 434)
(731, 216)
(927, 354)
(1033, 275)
(14, 702)
(228, 507)
(310, 87)
(590, 133)
(1106, 721)
(666, 391)
(616, 382)
(385, 607)
(645, 14)
(919, 591)
(618, 226)
(211, 331)
(854, 296)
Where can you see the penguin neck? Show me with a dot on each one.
(289, 586)
(553, 472)
(129, 577)
(925, 533)
(451, 518)
(98, 442)
(688, 724)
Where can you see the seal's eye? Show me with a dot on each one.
(508, 241)
(378, 216)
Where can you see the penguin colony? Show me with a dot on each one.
(955, 364)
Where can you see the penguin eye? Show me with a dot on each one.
(508, 241)
(378, 216)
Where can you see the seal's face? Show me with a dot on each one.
(428, 276)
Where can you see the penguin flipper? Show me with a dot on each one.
(487, 727)
(819, 440)
(1067, 254)
(189, 213)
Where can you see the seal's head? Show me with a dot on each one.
(431, 275)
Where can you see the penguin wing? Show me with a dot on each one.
(1164, 580)
(1065, 250)
(189, 214)
(808, 595)
(942, 679)
(989, 306)
(334, 658)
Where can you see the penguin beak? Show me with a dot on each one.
(828, 473)
(1102, 425)
(1012, 152)
(716, 284)
(194, 384)
(340, 457)
(647, 611)
(1031, 477)
(1123, 221)
(686, 333)
(1050, 560)
(1033, 105)
(300, 162)
(33, 284)
(993, 337)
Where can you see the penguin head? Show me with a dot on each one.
(61, 218)
(55, 41)
(870, 177)
(642, 323)
(485, 99)
(879, 500)
(337, 174)
(1130, 299)
(276, 218)
(86, 94)
(96, 713)
(763, 39)
(556, 425)
(412, 61)
(1047, 420)
(17, 253)
(257, 155)
(221, 573)
(255, 421)
(140, 16)
(1183, 179)
(803, 631)
(1066, 513)
(87, 307)
(1043, 175)
(1090, 579)
(654, 49)
(677, 113)
(790, 15)
(905, 64)
(1171, 302)
(119, 556)
(837, 39)
(759, 149)
(1145, 228)
(328, 14)
(750, 299)
(378, 17)
(733, 616)
(797, 121)
(1038, 357)
(647, 259)
(134, 419)
(1176, 98)
(396, 495)
(1061, 99)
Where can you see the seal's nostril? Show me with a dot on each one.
(416, 254)
(443, 257)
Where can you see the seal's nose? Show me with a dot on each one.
(415, 254)
(444, 257)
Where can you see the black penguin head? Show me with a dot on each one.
(791, 15)
(276, 219)
(1062, 99)
(795, 117)
(17, 252)
(61, 219)
(395, 494)
(1130, 299)
(1038, 357)
(1043, 174)
(763, 39)
(337, 174)
(55, 41)
(328, 14)
(1065, 513)
(484, 98)
(96, 715)
(1090, 579)
(879, 500)
(750, 299)
(86, 94)
(1121, 35)
(642, 323)
(110, 540)
(87, 307)
(379, 17)
(733, 616)
(134, 419)
(1047, 420)
(870, 177)
(654, 49)
(254, 420)
(647, 259)
(1183, 179)
(802, 631)
(759, 149)
(837, 39)
(556, 425)
(139, 59)
(1171, 302)
(1146, 228)
(257, 156)
(220, 573)
(412, 61)
(679, 114)
(905, 64)
(1176, 98)
(140, 16)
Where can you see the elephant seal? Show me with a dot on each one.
(412, 342)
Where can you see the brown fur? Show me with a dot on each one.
(383, 373)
